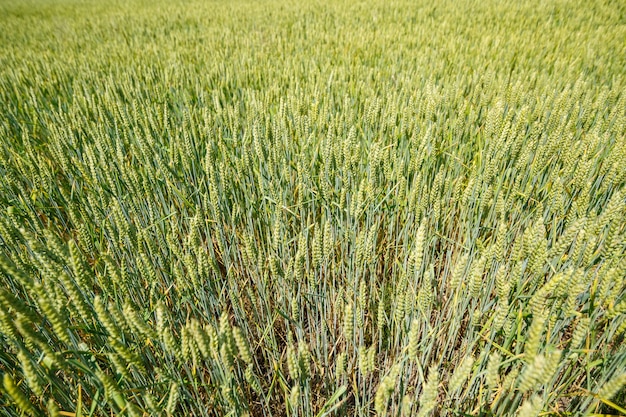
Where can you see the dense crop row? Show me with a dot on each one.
(312, 209)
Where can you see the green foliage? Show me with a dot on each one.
(312, 208)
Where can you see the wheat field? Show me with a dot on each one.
(312, 208)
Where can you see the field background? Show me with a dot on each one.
(312, 208)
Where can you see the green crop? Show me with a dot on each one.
(312, 208)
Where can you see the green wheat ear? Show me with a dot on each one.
(461, 373)
(428, 397)
(18, 397)
(531, 407)
(414, 336)
(612, 386)
(172, 399)
(493, 374)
